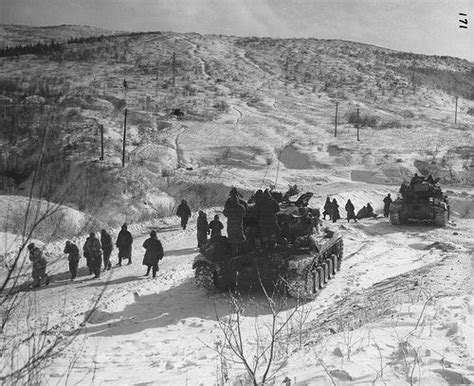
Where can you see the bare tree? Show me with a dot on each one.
(262, 359)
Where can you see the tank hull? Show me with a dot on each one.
(403, 212)
(299, 272)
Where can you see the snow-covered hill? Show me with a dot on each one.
(256, 112)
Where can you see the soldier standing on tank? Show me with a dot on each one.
(107, 247)
(335, 211)
(39, 265)
(216, 227)
(235, 212)
(327, 208)
(72, 250)
(124, 244)
(350, 209)
(386, 205)
(93, 250)
(267, 208)
(233, 192)
(202, 229)
(184, 212)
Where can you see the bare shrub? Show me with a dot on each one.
(267, 354)
(365, 119)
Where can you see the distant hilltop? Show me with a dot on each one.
(14, 34)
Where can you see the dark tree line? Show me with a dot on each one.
(41, 48)
(29, 49)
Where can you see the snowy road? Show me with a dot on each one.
(163, 330)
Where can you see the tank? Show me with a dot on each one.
(300, 264)
(420, 201)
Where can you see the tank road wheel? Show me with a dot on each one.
(326, 272)
(330, 265)
(395, 218)
(334, 261)
(441, 218)
(204, 277)
(320, 273)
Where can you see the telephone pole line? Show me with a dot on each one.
(456, 111)
(357, 124)
(174, 68)
(124, 137)
(101, 142)
(335, 122)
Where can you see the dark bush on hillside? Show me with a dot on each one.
(222, 106)
(452, 82)
(470, 111)
(389, 124)
(365, 120)
(8, 86)
(407, 114)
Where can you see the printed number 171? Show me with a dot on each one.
(463, 22)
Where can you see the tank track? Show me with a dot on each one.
(306, 286)
(204, 277)
(395, 218)
(441, 218)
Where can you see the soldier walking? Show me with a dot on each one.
(386, 205)
(327, 208)
(93, 251)
(39, 266)
(153, 254)
(184, 212)
(124, 244)
(350, 209)
(335, 211)
(72, 251)
(107, 247)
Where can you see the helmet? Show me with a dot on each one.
(153, 234)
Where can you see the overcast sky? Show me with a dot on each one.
(429, 27)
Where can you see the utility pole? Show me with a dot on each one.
(174, 68)
(335, 122)
(124, 137)
(357, 124)
(101, 142)
(456, 110)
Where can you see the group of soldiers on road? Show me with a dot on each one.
(98, 251)
(331, 209)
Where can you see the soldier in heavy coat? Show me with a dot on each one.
(72, 251)
(184, 213)
(216, 227)
(39, 265)
(124, 244)
(153, 254)
(386, 205)
(234, 193)
(267, 208)
(202, 229)
(235, 212)
(327, 208)
(350, 209)
(107, 247)
(335, 211)
(93, 251)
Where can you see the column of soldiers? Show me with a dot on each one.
(98, 251)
